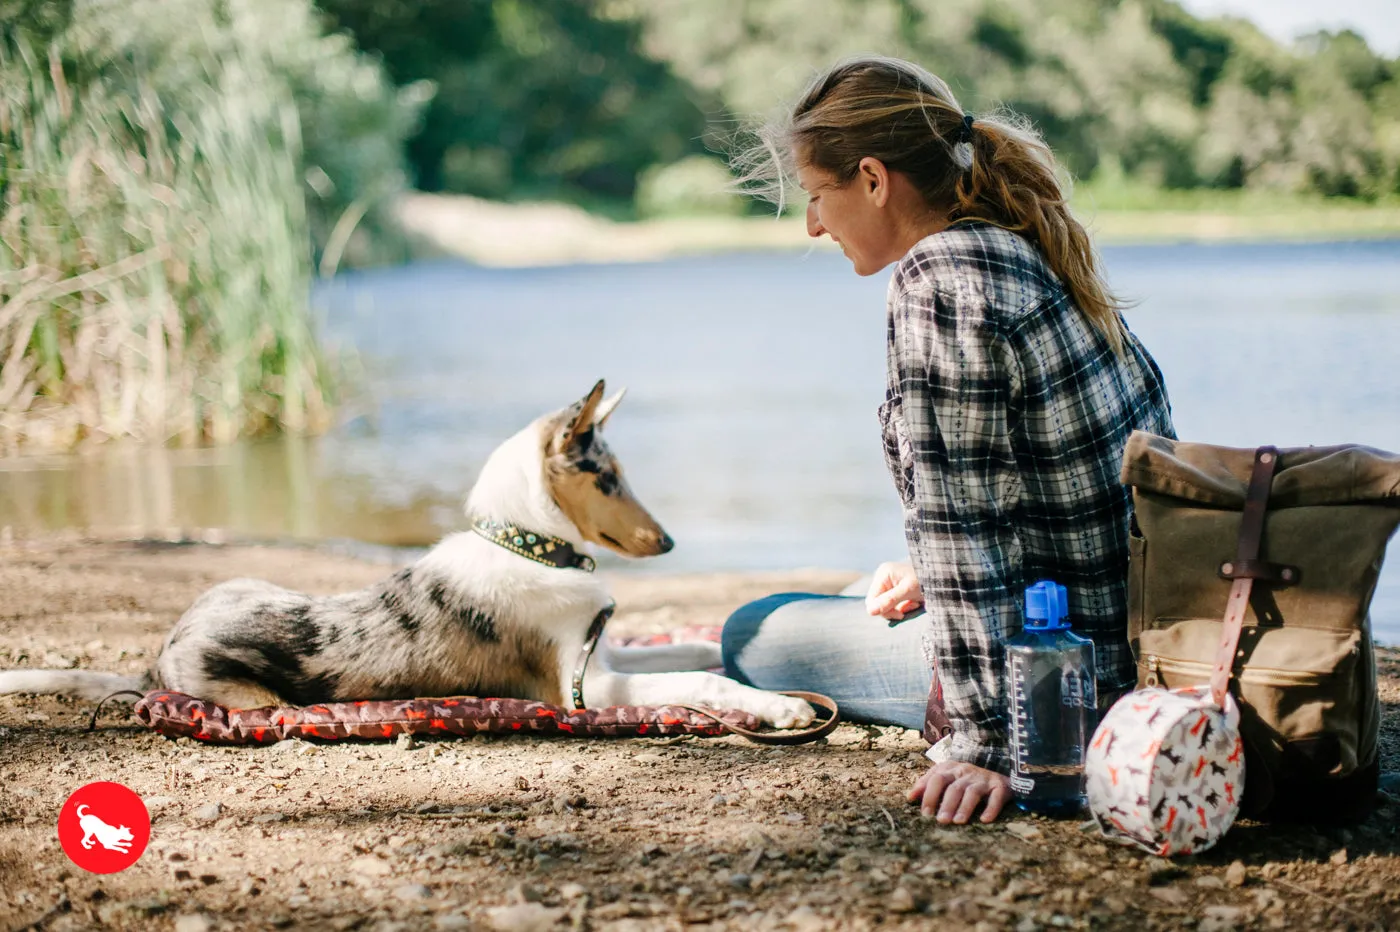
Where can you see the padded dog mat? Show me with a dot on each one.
(178, 715)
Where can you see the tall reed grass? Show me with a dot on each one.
(155, 260)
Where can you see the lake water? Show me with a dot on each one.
(749, 430)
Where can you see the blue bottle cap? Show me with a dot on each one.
(1047, 607)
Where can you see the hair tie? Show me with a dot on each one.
(965, 134)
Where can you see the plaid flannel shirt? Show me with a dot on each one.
(1005, 419)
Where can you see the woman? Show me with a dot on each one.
(1013, 386)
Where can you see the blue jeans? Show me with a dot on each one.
(829, 644)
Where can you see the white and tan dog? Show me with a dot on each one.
(480, 614)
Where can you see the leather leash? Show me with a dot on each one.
(793, 736)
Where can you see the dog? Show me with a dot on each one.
(502, 610)
(112, 837)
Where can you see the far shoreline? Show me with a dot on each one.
(525, 235)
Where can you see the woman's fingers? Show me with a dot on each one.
(973, 794)
(917, 791)
(886, 602)
(953, 797)
(1000, 796)
(953, 792)
(933, 791)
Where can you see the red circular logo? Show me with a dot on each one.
(104, 827)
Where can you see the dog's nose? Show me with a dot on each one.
(665, 544)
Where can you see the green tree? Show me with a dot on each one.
(551, 98)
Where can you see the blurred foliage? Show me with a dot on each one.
(536, 98)
(697, 185)
(1135, 87)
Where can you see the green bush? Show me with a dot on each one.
(695, 186)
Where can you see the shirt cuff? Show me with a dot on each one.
(961, 748)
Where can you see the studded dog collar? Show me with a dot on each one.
(542, 548)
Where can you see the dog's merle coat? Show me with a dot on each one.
(248, 642)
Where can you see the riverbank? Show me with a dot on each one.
(512, 235)
(529, 833)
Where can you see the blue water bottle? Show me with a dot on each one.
(1052, 696)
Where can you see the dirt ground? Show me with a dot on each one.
(525, 833)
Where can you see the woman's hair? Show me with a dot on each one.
(996, 169)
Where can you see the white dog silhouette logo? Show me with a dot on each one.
(112, 837)
(104, 827)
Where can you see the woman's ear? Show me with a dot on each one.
(874, 179)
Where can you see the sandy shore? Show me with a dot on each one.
(496, 234)
(526, 833)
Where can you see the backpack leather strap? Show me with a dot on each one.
(1256, 503)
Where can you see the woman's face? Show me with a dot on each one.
(853, 214)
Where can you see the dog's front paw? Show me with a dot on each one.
(787, 712)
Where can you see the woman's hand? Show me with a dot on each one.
(894, 592)
(952, 790)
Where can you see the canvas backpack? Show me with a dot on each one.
(1259, 566)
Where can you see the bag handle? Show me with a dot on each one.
(1256, 503)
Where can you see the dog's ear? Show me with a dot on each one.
(606, 409)
(583, 413)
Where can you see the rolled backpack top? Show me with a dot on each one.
(1253, 571)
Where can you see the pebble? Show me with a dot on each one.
(526, 893)
(901, 901)
(1162, 871)
(1236, 874)
(405, 742)
(572, 891)
(1209, 882)
(963, 910)
(805, 919)
(1338, 858)
(371, 867)
(1014, 890)
(269, 817)
(413, 891)
(740, 881)
(1023, 831)
(524, 917)
(207, 813)
(453, 923)
(1170, 895)
(193, 922)
(1220, 919)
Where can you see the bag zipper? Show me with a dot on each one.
(1258, 676)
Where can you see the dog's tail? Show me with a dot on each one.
(86, 684)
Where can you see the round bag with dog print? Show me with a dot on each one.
(1166, 769)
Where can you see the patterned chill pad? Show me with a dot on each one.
(178, 715)
(1165, 770)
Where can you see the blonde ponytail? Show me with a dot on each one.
(996, 169)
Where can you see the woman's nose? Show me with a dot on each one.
(814, 225)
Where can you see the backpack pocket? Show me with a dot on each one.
(1302, 691)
